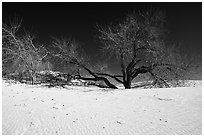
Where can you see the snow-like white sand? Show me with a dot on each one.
(89, 110)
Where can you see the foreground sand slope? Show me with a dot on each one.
(79, 110)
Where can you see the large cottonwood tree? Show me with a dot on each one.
(138, 44)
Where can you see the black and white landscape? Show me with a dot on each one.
(101, 68)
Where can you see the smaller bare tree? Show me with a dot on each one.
(20, 52)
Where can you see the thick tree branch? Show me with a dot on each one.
(134, 61)
(84, 67)
(96, 78)
(145, 69)
(140, 70)
(112, 76)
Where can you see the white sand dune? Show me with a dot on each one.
(89, 110)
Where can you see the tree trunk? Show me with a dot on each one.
(127, 83)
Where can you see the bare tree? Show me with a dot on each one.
(139, 47)
(20, 52)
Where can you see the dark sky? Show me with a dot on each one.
(78, 20)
